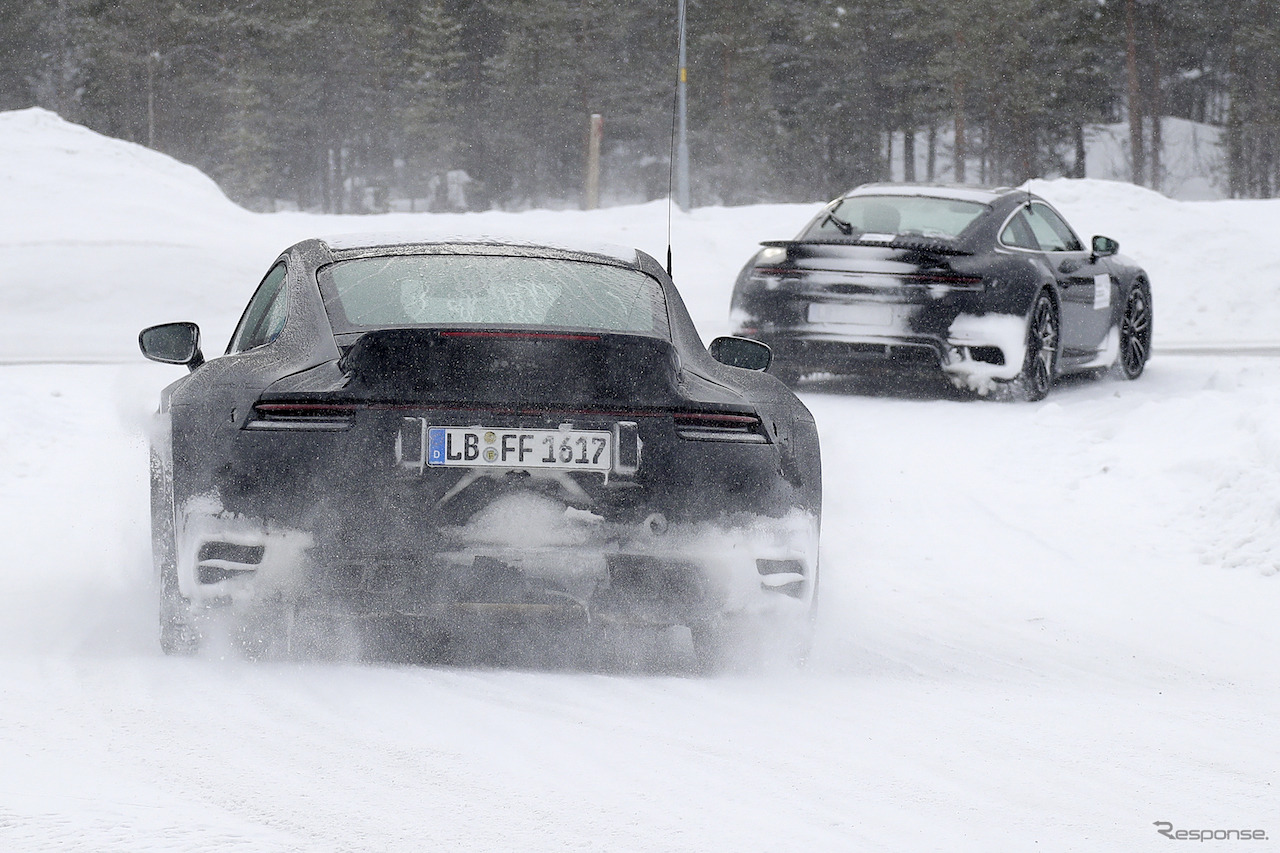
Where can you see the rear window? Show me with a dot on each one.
(911, 215)
(490, 290)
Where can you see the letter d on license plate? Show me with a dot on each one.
(487, 447)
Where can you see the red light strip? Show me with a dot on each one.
(553, 336)
(302, 409)
(715, 417)
(307, 408)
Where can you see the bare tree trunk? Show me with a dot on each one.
(1235, 126)
(957, 101)
(1156, 101)
(1266, 166)
(1137, 148)
(326, 180)
(909, 155)
(931, 161)
(1078, 169)
(985, 158)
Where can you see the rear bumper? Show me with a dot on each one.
(973, 350)
(525, 555)
(696, 523)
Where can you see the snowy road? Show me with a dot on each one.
(1047, 624)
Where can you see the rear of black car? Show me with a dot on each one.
(882, 280)
(830, 307)
(570, 460)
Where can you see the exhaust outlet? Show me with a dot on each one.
(656, 524)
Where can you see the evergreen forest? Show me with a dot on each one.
(370, 105)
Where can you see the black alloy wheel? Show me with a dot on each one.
(1040, 366)
(1135, 333)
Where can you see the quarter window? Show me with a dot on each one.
(264, 318)
(1051, 232)
(1018, 233)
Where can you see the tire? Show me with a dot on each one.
(1135, 333)
(178, 632)
(1040, 367)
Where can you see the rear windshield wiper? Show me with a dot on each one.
(844, 227)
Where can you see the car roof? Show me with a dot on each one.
(344, 244)
(984, 195)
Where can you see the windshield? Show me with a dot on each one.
(490, 290)
(912, 215)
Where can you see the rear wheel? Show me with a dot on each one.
(1041, 363)
(1135, 333)
(178, 632)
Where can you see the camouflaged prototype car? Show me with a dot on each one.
(426, 434)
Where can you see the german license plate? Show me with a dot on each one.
(855, 315)
(485, 447)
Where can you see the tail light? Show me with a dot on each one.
(775, 277)
(717, 426)
(332, 417)
(953, 280)
(302, 416)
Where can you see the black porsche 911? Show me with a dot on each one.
(993, 287)
(435, 436)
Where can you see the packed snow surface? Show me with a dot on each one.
(1042, 626)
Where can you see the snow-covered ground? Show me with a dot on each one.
(1043, 626)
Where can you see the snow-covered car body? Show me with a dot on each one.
(435, 430)
(991, 286)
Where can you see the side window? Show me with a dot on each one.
(1018, 233)
(264, 318)
(1053, 234)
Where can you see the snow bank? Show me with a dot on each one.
(1193, 159)
(1214, 265)
(63, 183)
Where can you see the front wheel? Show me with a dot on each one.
(1135, 333)
(1041, 363)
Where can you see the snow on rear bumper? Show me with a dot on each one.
(522, 553)
(983, 350)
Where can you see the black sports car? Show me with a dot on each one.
(433, 436)
(991, 286)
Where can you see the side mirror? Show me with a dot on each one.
(1104, 247)
(741, 352)
(172, 343)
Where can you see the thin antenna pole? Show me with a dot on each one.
(682, 108)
